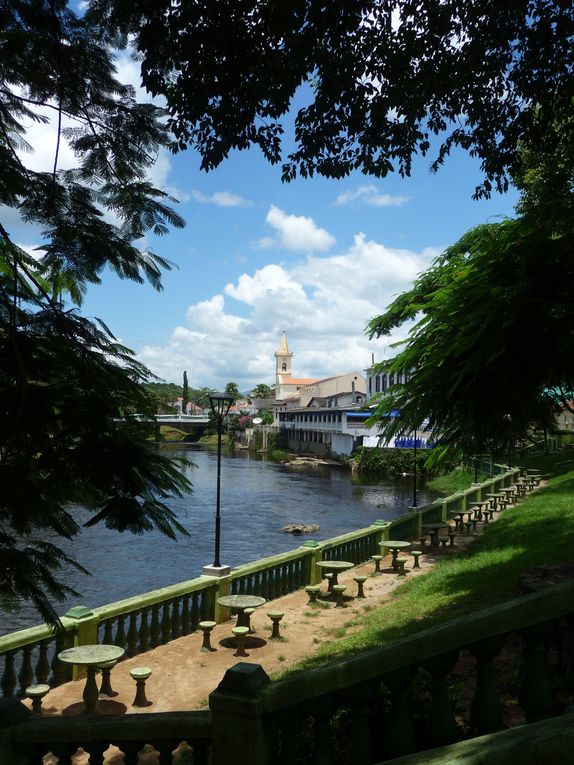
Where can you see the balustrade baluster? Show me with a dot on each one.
(271, 582)
(165, 750)
(9, 679)
(400, 735)
(265, 584)
(175, 619)
(195, 611)
(442, 728)
(131, 751)
(485, 709)
(165, 624)
(185, 616)
(298, 574)
(361, 750)
(322, 711)
(108, 638)
(97, 750)
(132, 636)
(243, 588)
(289, 728)
(144, 631)
(535, 693)
(120, 638)
(60, 672)
(201, 752)
(154, 629)
(42, 670)
(234, 590)
(26, 674)
(290, 583)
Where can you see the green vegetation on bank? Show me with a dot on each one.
(210, 440)
(457, 480)
(538, 530)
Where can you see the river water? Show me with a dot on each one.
(258, 498)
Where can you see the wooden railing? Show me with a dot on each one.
(359, 708)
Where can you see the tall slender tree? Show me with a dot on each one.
(185, 395)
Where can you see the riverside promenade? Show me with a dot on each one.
(183, 677)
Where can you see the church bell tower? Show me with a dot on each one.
(282, 362)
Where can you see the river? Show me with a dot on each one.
(258, 498)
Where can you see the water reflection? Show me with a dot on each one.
(258, 498)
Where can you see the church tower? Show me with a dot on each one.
(282, 363)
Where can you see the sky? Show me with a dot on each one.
(317, 258)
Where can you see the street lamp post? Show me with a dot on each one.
(220, 404)
(415, 472)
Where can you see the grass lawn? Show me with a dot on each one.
(540, 529)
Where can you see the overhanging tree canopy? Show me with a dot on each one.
(383, 76)
(68, 390)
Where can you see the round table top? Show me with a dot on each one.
(341, 565)
(399, 544)
(91, 655)
(241, 601)
(436, 525)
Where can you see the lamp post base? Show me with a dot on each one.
(218, 571)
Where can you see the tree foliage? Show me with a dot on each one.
(491, 352)
(384, 78)
(233, 390)
(67, 388)
(262, 390)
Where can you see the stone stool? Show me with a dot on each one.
(444, 541)
(140, 675)
(469, 526)
(37, 693)
(206, 628)
(248, 612)
(360, 580)
(416, 555)
(451, 535)
(312, 591)
(401, 566)
(329, 578)
(423, 541)
(377, 559)
(106, 685)
(339, 589)
(240, 634)
(275, 617)
(474, 525)
(458, 521)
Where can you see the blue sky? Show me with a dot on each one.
(315, 257)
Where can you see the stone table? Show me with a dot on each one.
(91, 657)
(433, 529)
(239, 603)
(395, 545)
(334, 567)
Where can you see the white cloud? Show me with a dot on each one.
(295, 232)
(221, 199)
(323, 302)
(370, 196)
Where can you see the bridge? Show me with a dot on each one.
(192, 424)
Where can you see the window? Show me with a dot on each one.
(378, 384)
